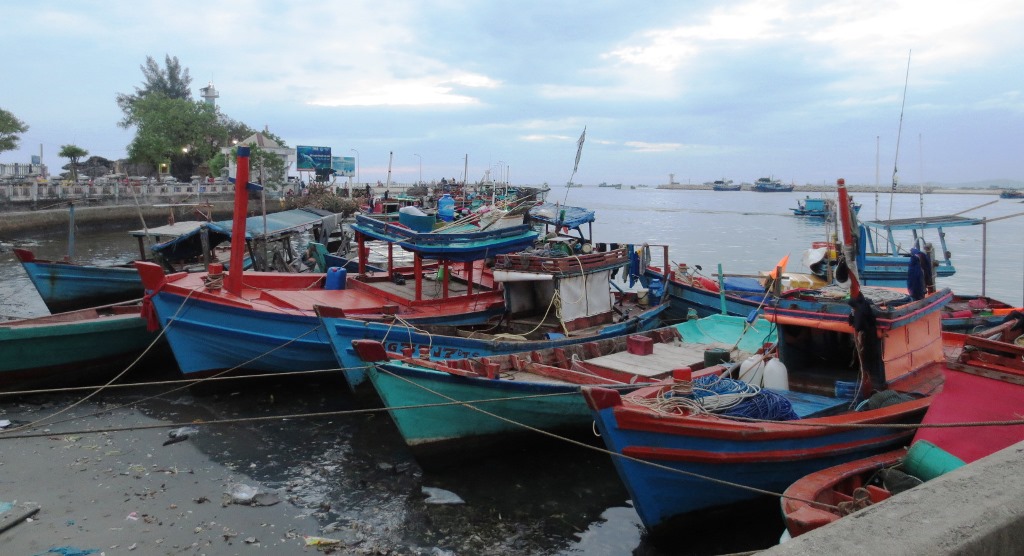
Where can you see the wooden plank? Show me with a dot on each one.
(665, 358)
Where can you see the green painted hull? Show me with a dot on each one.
(53, 354)
(450, 423)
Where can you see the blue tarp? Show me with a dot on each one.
(561, 215)
(189, 245)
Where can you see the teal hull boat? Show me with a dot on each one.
(71, 348)
(540, 389)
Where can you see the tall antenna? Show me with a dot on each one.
(899, 133)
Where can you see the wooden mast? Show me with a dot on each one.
(233, 281)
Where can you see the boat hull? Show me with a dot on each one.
(207, 337)
(430, 430)
(69, 287)
(395, 338)
(72, 352)
(768, 458)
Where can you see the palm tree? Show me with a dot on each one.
(73, 153)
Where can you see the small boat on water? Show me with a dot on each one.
(539, 388)
(984, 383)
(76, 347)
(1011, 194)
(684, 448)
(819, 207)
(725, 185)
(771, 185)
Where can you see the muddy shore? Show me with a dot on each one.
(103, 479)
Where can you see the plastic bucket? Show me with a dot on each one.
(926, 461)
(715, 356)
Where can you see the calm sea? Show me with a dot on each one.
(558, 501)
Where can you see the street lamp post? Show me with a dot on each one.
(357, 164)
(421, 169)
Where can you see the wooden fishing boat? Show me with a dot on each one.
(539, 388)
(770, 185)
(67, 285)
(679, 454)
(552, 297)
(265, 322)
(818, 207)
(70, 348)
(692, 294)
(725, 185)
(984, 383)
(550, 300)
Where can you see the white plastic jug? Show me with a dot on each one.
(752, 370)
(776, 376)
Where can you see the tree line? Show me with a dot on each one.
(174, 133)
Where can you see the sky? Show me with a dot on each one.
(802, 91)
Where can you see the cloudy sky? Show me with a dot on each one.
(805, 91)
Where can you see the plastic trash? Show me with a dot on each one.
(440, 496)
(320, 541)
(179, 435)
(246, 495)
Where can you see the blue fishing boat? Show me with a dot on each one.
(538, 389)
(557, 293)
(819, 207)
(540, 314)
(770, 185)
(265, 321)
(67, 285)
(685, 447)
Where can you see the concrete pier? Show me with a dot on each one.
(977, 509)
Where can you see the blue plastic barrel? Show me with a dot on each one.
(335, 278)
(446, 208)
(655, 290)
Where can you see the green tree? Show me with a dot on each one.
(170, 82)
(73, 153)
(181, 132)
(10, 129)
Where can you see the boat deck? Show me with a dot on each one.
(665, 358)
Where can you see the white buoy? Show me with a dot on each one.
(776, 376)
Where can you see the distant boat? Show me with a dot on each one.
(612, 185)
(820, 207)
(571, 184)
(1012, 194)
(725, 185)
(769, 185)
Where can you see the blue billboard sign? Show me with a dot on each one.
(311, 158)
(344, 165)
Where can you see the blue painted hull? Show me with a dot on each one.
(663, 495)
(401, 385)
(68, 287)
(207, 337)
(683, 297)
(343, 331)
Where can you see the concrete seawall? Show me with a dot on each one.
(114, 217)
(976, 509)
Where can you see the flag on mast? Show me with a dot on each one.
(579, 149)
